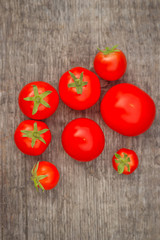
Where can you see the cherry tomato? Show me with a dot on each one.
(32, 137)
(125, 161)
(127, 109)
(110, 64)
(79, 88)
(38, 100)
(83, 139)
(45, 175)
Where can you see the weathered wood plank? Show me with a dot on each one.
(40, 40)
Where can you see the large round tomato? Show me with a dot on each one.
(83, 139)
(127, 109)
(32, 137)
(45, 175)
(79, 88)
(110, 64)
(125, 161)
(38, 100)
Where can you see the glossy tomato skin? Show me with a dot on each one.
(27, 106)
(133, 160)
(111, 66)
(24, 143)
(47, 168)
(127, 109)
(83, 139)
(90, 94)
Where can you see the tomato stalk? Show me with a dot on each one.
(123, 161)
(35, 134)
(38, 99)
(36, 179)
(109, 50)
(78, 83)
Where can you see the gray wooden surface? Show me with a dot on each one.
(40, 40)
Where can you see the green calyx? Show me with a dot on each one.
(109, 50)
(123, 161)
(36, 179)
(35, 134)
(78, 83)
(38, 99)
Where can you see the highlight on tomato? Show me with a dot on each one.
(38, 100)
(110, 63)
(79, 88)
(83, 139)
(32, 137)
(45, 175)
(125, 161)
(127, 109)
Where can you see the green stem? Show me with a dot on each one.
(78, 83)
(35, 134)
(123, 161)
(109, 50)
(36, 179)
(38, 99)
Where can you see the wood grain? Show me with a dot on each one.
(40, 40)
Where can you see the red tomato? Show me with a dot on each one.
(127, 109)
(79, 88)
(125, 161)
(38, 100)
(32, 137)
(83, 139)
(45, 175)
(110, 64)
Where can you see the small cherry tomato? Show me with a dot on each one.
(110, 64)
(45, 175)
(127, 109)
(79, 88)
(125, 161)
(83, 139)
(38, 100)
(32, 137)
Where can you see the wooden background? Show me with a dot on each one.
(40, 40)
